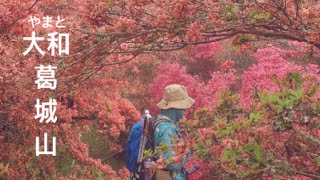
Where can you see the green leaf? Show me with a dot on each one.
(232, 12)
(230, 155)
(255, 116)
(256, 151)
(162, 148)
(148, 153)
(298, 93)
(258, 16)
(262, 16)
(296, 77)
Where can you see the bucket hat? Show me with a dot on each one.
(175, 96)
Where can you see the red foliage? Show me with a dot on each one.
(111, 33)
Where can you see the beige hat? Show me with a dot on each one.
(175, 96)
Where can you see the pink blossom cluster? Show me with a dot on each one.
(204, 94)
(258, 77)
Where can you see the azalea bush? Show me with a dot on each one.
(278, 138)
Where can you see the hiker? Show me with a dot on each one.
(173, 105)
(148, 133)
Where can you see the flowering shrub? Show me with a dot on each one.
(279, 137)
(269, 128)
(263, 76)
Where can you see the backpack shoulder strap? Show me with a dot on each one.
(160, 120)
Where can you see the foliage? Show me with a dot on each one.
(270, 140)
(253, 122)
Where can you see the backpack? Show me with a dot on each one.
(135, 147)
(132, 146)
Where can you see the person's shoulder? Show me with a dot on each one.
(164, 125)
